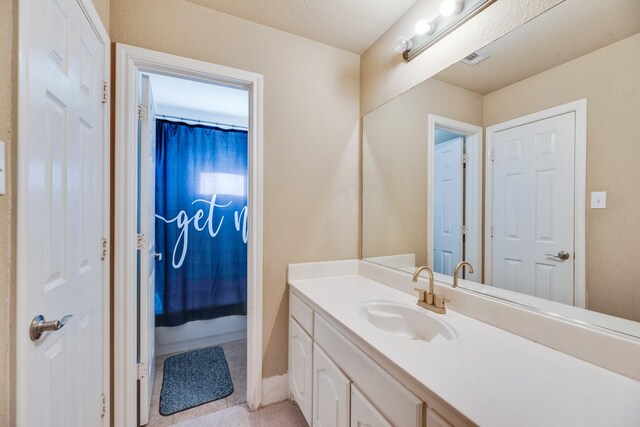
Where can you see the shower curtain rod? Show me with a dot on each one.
(166, 116)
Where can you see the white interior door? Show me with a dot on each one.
(62, 218)
(448, 208)
(533, 208)
(147, 246)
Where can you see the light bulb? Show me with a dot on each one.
(451, 7)
(424, 27)
(402, 44)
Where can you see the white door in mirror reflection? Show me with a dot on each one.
(448, 205)
(533, 208)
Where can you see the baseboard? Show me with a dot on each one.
(199, 334)
(199, 343)
(275, 389)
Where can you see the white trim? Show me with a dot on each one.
(22, 404)
(180, 346)
(473, 217)
(129, 61)
(580, 189)
(199, 334)
(275, 389)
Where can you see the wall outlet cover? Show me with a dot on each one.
(598, 199)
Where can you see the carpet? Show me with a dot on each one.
(194, 378)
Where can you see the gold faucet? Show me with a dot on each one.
(427, 299)
(458, 267)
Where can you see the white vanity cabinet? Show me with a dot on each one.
(336, 384)
(434, 419)
(331, 392)
(363, 413)
(301, 355)
(300, 367)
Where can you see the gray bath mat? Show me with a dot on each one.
(194, 378)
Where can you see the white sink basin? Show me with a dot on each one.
(405, 321)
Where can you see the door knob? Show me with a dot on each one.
(562, 255)
(39, 325)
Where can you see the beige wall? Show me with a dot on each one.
(311, 135)
(610, 80)
(385, 75)
(7, 126)
(102, 6)
(394, 195)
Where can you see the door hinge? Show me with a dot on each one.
(465, 158)
(141, 371)
(493, 156)
(140, 241)
(491, 231)
(464, 229)
(105, 249)
(105, 92)
(104, 404)
(143, 112)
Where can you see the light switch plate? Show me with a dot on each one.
(2, 169)
(598, 199)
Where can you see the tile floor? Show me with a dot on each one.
(236, 354)
(281, 414)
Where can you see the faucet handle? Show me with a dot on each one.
(425, 296)
(422, 294)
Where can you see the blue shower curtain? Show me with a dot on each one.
(201, 200)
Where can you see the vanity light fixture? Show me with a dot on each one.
(453, 13)
(403, 44)
(451, 7)
(424, 27)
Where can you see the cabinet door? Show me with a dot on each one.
(434, 419)
(300, 367)
(363, 413)
(330, 392)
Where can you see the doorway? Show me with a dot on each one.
(192, 270)
(175, 309)
(455, 180)
(535, 204)
(449, 201)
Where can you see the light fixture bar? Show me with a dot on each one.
(444, 25)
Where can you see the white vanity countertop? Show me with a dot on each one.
(492, 377)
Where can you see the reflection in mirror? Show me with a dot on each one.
(521, 159)
(456, 184)
(449, 204)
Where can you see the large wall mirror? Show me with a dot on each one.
(524, 160)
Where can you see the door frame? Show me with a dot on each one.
(578, 107)
(23, 315)
(473, 186)
(130, 60)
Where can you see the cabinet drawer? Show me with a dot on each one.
(392, 399)
(363, 413)
(301, 312)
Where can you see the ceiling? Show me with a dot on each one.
(352, 25)
(197, 96)
(442, 135)
(566, 32)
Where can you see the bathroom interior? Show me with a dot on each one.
(196, 137)
(418, 214)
